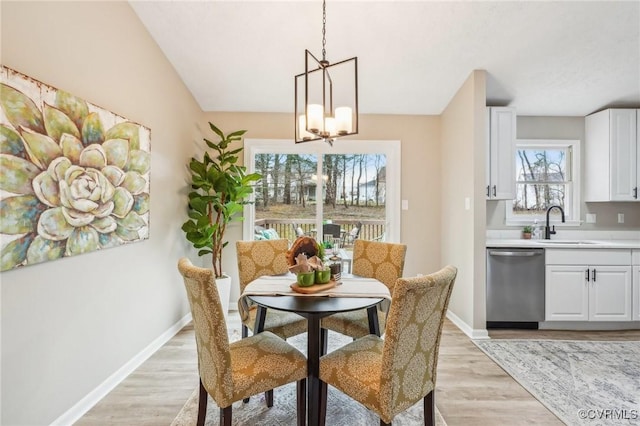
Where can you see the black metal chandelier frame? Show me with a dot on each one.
(307, 134)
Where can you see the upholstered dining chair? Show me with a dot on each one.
(392, 374)
(371, 259)
(230, 372)
(257, 259)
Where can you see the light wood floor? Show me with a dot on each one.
(471, 389)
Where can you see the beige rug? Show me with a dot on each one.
(341, 409)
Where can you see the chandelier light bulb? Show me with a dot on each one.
(315, 117)
(330, 126)
(343, 120)
(302, 128)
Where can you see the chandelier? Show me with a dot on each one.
(323, 85)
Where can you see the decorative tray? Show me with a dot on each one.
(314, 288)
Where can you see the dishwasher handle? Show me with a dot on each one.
(515, 253)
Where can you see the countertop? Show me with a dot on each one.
(564, 243)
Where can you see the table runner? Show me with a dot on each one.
(350, 287)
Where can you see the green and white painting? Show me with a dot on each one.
(74, 178)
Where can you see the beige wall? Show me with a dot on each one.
(69, 324)
(530, 127)
(463, 229)
(419, 136)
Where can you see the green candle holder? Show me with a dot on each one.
(306, 279)
(323, 276)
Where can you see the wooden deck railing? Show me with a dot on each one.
(371, 229)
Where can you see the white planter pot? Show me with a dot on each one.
(224, 290)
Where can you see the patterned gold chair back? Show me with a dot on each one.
(412, 340)
(212, 342)
(382, 261)
(260, 258)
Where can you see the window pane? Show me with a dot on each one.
(541, 165)
(355, 192)
(536, 198)
(286, 195)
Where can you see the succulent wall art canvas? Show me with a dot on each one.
(74, 177)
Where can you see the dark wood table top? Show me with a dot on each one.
(315, 304)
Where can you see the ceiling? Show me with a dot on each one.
(560, 58)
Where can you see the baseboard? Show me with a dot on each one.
(74, 414)
(590, 325)
(465, 328)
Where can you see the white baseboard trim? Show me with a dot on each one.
(74, 414)
(589, 326)
(465, 328)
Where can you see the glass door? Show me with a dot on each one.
(335, 195)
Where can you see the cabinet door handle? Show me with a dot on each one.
(635, 192)
(593, 275)
(494, 190)
(488, 191)
(586, 275)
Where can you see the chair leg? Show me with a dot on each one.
(324, 341)
(202, 404)
(323, 404)
(225, 416)
(301, 399)
(245, 334)
(268, 396)
(430, 409)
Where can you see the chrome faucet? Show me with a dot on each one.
(551, 230)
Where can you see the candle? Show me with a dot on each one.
(343, 120)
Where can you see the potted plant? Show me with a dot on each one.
(526, 232)
(220, 189)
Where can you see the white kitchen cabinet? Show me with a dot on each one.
(500, 160)
(588, 285)
(635, 291)
(612, 156)
(566, 293)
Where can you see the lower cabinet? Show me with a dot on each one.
(586, 292)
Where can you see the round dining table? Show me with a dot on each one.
(314, 309)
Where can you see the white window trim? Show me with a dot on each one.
(391, 149)
(574, 220)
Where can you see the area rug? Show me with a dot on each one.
(341, 410)
(581, 382)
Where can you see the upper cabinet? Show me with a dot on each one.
(501, 140)
(612, 156)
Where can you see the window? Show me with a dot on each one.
(309, 184)
(546, 174)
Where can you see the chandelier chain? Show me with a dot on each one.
(324, 31)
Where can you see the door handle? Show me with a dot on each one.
(635, 192)
(586, 275)
(514, 253)
(494, 190)
(593, 275)
(488, 191)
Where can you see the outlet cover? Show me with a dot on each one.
(620, 217)
(591, 218)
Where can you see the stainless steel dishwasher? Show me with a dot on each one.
(515, 287)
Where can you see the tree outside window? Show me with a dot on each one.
(545, 176)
